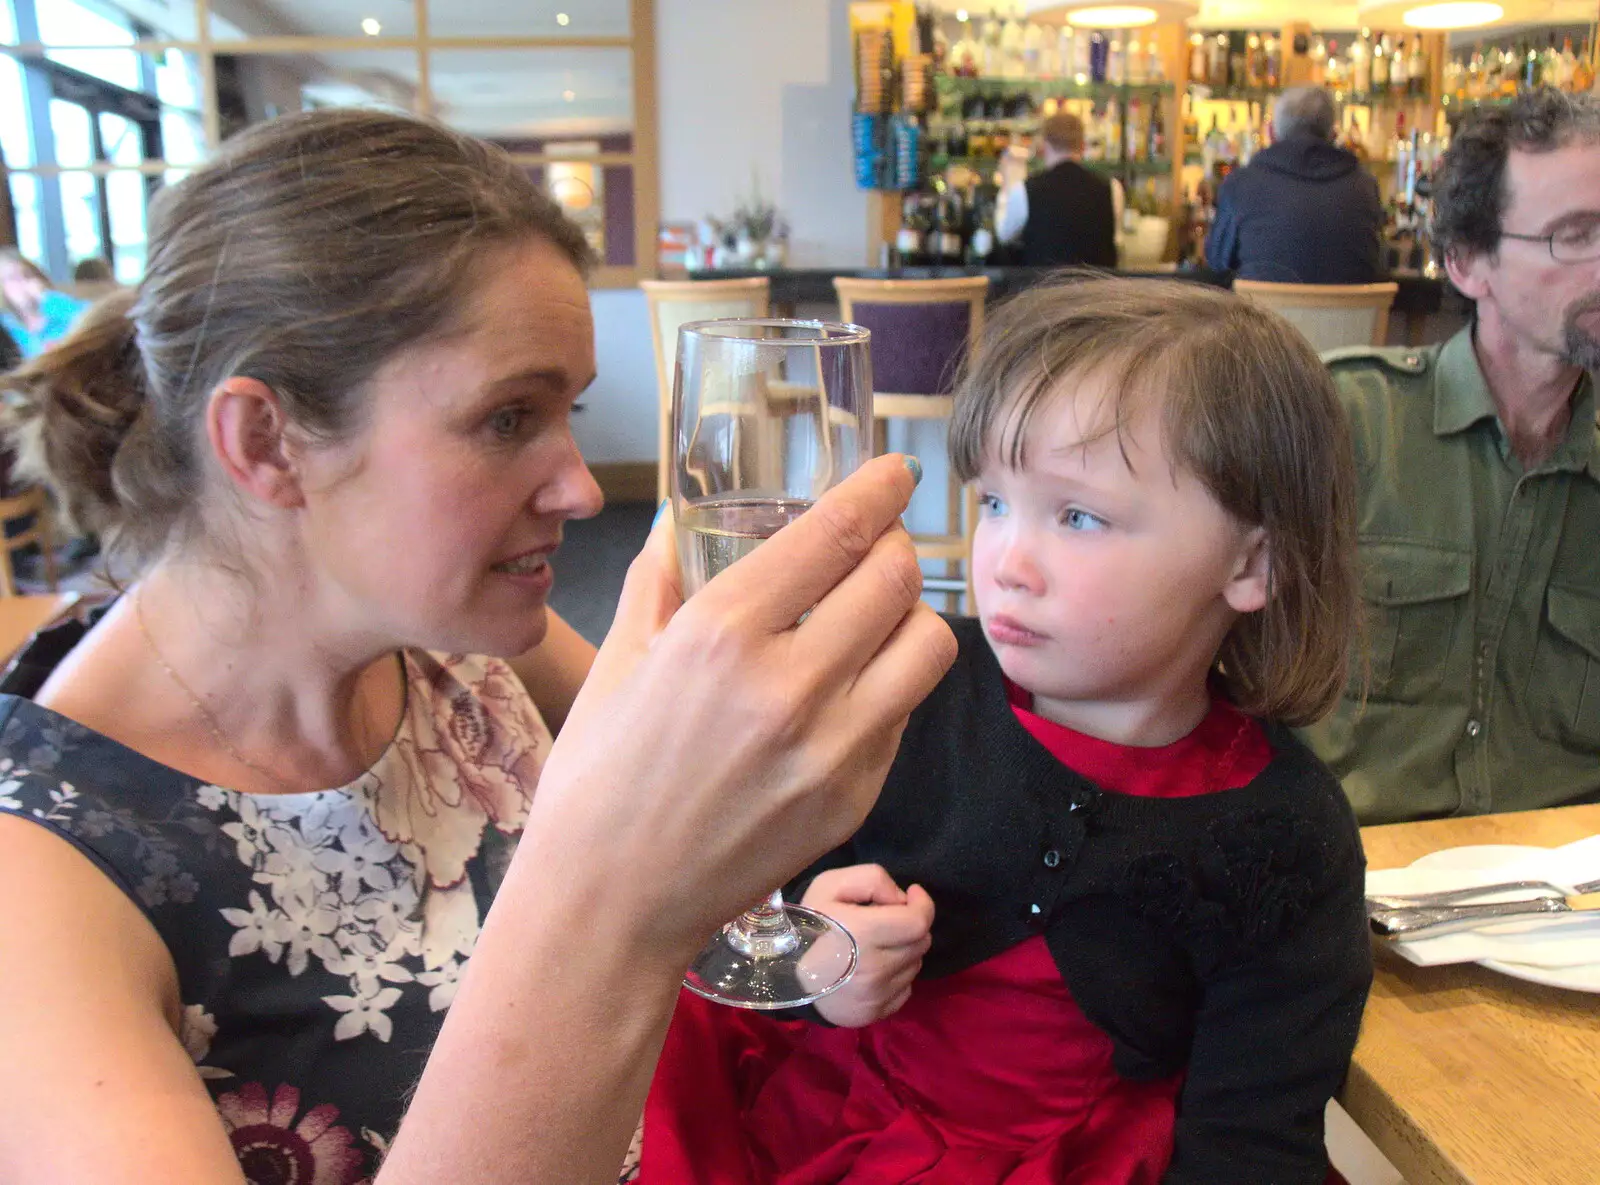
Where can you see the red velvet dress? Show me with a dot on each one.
(987, 1076)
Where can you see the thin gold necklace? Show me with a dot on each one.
(200, 708)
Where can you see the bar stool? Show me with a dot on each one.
(32, 504)
(921, 329)
(1330, 315)
(673, 303)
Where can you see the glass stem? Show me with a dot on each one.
(764, 931)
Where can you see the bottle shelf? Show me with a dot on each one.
(1155, 167)
(1201, 92)
(1053, 88)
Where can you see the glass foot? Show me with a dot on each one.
(737, 971)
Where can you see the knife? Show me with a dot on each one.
(1426, 922)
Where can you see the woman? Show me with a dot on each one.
(32, 313)
(252, 824)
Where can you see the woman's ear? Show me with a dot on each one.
(248, 434)
(1246, 590)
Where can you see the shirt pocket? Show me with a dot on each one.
(1416, 603)
(1563, 693)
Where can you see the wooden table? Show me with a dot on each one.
(21, 616)
(1466, 1075)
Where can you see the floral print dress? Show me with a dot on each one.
(318, 937)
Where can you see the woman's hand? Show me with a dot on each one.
(892, 932)
(717, 747)
(720, 744)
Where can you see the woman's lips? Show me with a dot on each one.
(1008, 631)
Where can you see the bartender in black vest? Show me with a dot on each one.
(1064, 215)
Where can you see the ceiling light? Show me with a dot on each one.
(961, 15)
(1464, 14)
(371, 27)
(1450, 14)
(1111, 14)
(569, 96)
(563, 19)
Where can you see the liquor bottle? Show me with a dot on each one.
(1530, 68)
(1335, 73)
(1154, 70)
(1211, 150)
(1083, 58)
(1116, 60)
(949, 245)
(1361, 66)
(981, 242)
(1011, 39)
(1067, 53)
(1136, 61)
(1417, 70)
(1583, 72)
(1238, 60)
(1253, 73)
(1217, 65)
(1198, 71)
(1033, 51)
(908, 242)
(1098, 48)
(966, 55)
(1567, 65)
(1157, 148)
(1138, 139)
(1319, 60)
(992, 62)
(1380, 66)
(1113, 132)
(1397, 68)
(1272, 55)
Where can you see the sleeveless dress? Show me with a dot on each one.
(318, 937)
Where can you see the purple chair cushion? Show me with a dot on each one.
(915, 347)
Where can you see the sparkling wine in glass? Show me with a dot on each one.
(766, 415)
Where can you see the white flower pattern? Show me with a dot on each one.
(336, 889)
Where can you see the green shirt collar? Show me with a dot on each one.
(1461, 399)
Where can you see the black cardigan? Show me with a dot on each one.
(1225, 933)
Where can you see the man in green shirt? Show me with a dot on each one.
(1479, 509)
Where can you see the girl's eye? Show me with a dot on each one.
(508, 423)
(990, 504)
(1081, 520)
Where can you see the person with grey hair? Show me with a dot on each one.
(1479, 499)
(1303, 211)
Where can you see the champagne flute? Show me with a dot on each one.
(767, 414)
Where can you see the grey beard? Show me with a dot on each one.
(1579, 347)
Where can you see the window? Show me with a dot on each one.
(98, 108)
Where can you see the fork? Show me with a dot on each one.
(1448, 896)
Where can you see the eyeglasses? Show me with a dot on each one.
(1577, 243)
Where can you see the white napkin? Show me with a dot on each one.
(1542, 941)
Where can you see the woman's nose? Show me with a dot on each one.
(571, 491)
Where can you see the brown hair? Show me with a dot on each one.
(308, 252)
(1247, 407)
(1063, 132)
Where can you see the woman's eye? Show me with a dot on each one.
(1081, 520)
(508, 422)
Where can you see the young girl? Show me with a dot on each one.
(1149, 957)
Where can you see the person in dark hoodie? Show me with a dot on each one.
(1303, 211)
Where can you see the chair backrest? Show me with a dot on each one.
(676, 302)
(920, 328)
(33, 505)
(1330, 315)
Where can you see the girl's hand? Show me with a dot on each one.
(720, 745)
(892, 930)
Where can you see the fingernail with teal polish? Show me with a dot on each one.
(660, 510)
(915, 466)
